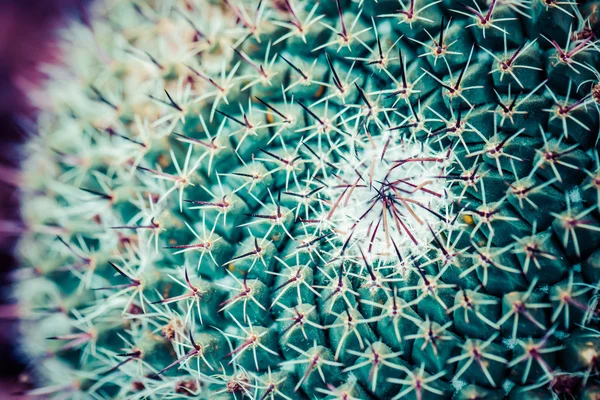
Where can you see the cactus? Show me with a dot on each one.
(287, 199)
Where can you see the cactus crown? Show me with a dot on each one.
(344, 199)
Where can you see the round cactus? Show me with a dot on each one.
(288, 199)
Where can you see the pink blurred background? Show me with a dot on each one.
(27, 31)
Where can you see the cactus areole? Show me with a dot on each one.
(302, 199)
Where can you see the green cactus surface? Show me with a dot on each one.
(303, 199)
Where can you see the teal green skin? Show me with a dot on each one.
(245, 289)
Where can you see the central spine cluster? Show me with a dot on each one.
(389, 194)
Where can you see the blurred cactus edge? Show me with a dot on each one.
(303, 199)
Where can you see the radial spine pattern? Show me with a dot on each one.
(338, 199)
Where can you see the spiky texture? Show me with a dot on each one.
(336, 199)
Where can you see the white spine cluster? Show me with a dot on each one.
(388, 195)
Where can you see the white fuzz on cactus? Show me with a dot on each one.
(408, 174)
